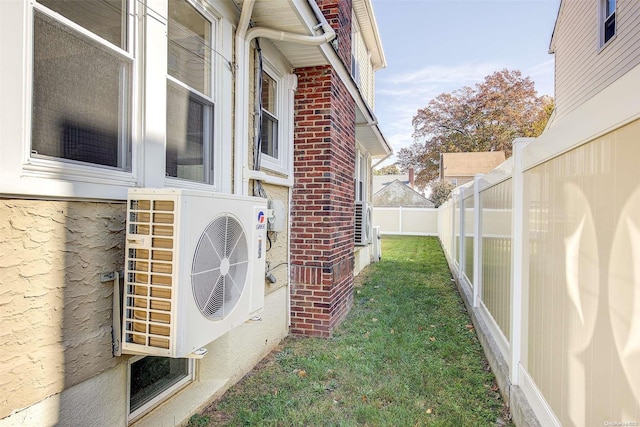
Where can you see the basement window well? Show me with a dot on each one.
(152, 380)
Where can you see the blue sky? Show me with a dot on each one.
(437, 46)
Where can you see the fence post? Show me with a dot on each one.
(519, 266)
(400, 219)
(461, 237)
(477, 242)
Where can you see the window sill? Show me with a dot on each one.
(609, 42)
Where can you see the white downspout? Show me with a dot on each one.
(241, 97)
(244, 36)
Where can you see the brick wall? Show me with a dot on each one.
(322, 227)
(338, 14)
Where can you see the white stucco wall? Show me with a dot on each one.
(56, 363)
(101, 400)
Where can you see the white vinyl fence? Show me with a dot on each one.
(547, 257)
(546, 253)
(406, 221)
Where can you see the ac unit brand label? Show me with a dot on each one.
(262, 221)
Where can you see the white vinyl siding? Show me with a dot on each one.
(364, 75)
(583, 68)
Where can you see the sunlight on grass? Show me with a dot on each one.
(405, 356)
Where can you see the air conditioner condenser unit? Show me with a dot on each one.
(194, 268)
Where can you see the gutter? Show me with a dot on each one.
(244, 35)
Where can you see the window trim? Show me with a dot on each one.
(162, 396)
(361, 176)
(604, 20)
(42, 177)
(65, 169)
(213, 151)
(285, 87)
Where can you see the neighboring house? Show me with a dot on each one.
(100, 97)
(381, 181)
(460, 168)
(399, 194)
(601, 34)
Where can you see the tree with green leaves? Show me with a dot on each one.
(487, 117)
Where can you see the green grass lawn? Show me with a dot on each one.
(405, 356)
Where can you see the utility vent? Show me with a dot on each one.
(195, 265)
(363, 224)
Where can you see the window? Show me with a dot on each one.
(189, 102)
(355, 40)
(269, 125)
(361, 177)
(81, 84)
(608, 26)
(454, 182)
(152, 379)
(94, 117)
(274, 92)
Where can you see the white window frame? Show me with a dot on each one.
(286, 83)
(32, 169)
(355, 40)
(271, 116)
(361, 176)
(162, 396)
(213, 151)
(604, 20)
(22, 175)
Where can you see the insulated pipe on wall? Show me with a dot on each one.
(244, 36)
(268, 33)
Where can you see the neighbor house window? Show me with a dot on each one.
(189, 94)
(152, 379)
(269, 126)
(81, 93)
(608, 25)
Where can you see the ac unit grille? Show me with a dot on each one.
(359, 222)
(149, 280)
(220, 267)
(362, 223)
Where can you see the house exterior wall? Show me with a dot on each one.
(56, 362)
(365, 77)
(582, 67)
(460, 180)
(322, 228)
(56, 314)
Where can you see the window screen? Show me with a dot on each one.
(269, 136)
(80, 97)
(189, 110)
